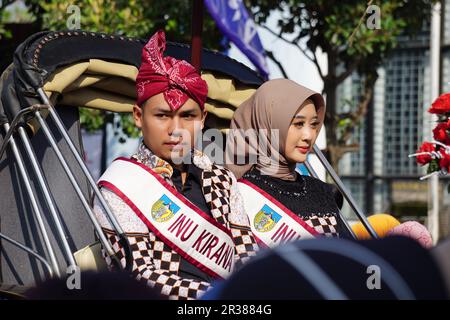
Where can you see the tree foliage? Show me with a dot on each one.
(342, 29)
(339, 28)
(133, 18)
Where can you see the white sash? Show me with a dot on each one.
(271, 222)
(194, 235)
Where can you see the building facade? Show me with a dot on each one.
(401, 123)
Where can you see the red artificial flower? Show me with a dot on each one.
(425, 158)
(442, 132)
(444, 162)
(441, 105)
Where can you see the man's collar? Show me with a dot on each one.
(164, 168)
(148, 158)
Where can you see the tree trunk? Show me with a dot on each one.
(330, 87)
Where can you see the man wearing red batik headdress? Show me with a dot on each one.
(183, 215)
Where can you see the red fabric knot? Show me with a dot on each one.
(177, 79)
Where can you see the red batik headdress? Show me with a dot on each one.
(177, 79)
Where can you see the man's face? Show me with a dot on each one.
(169, 134)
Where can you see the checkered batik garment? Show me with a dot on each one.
(311, 199)
(325, 225)
(153, 260)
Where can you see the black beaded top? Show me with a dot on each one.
(306, 196)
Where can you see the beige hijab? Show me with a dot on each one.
(272, 106)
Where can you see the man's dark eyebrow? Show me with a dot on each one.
(189, 111)
(162, 110)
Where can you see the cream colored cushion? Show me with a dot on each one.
(90, 258)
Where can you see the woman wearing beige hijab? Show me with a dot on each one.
(270, 133)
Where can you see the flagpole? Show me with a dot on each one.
(433, 182)
(197, 28)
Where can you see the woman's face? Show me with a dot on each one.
(302, 133)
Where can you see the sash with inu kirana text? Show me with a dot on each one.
(193, 234)
(271, 222)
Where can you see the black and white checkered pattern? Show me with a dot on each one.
(156, 264)
(217, 191)
(245, 244)
(117, 248)
(325, 225)
(163, 256)
(189, 290)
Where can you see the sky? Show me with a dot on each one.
(296, 65)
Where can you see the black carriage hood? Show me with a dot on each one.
(41, 54)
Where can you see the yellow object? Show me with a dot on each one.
(90, 258)
(381, 222)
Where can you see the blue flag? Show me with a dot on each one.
(234, 21)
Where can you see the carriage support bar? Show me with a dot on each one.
(111, 217)
(51, 140)
(33, 253)
(315, 175)
(51, 205)
(345, 192)
(34, 204)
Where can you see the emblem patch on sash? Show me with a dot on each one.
(266, 219)
(164, 209)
